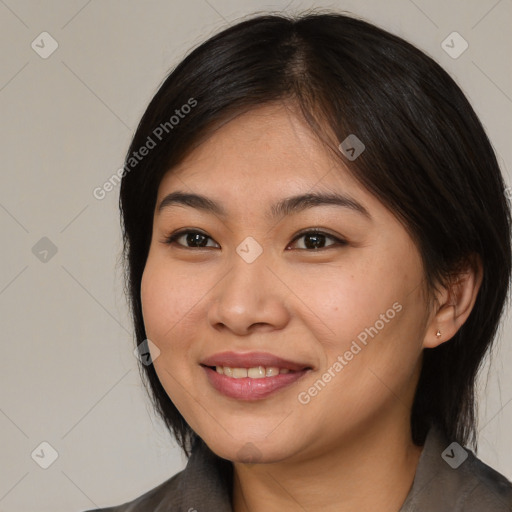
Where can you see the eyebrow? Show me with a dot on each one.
(287, 206)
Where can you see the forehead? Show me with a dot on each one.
(260, 157)
(269, 144)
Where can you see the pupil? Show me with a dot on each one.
(193, 241)
(314, 245)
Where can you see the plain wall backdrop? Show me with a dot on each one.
(69, 377)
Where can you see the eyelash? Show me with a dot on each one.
(171, 239)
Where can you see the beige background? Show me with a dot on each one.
(68, 374)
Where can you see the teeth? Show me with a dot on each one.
(257, 372)
(271, 371)
(239, 373)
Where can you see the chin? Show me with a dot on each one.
(254, 451)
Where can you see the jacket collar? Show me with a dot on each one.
(206, 482)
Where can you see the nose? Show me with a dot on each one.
(250, 298)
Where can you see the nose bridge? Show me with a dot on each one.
(247, 295)
(246, 281)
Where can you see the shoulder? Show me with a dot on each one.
(483, 487)
(452, 478)
(151, 500)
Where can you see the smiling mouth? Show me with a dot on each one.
(254, 383)
(252, 375)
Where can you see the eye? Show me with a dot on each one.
(314, 239)
(196, 239)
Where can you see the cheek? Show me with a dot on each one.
(371, 358)
(168, 296)
(167, 299)
(371, 316)
(347, 300)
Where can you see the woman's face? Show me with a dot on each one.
(321, 333)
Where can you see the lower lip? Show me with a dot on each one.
(251, 389)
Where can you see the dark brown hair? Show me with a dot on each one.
(427, 159)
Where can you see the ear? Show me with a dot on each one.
(453, 303)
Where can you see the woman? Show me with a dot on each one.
(318, 254)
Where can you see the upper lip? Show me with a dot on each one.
(252, 360)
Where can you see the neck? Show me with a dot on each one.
(372, 470)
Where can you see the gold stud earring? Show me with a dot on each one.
(438, 333)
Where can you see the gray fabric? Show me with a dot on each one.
(205, 484)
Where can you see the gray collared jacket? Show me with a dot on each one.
(448, 478)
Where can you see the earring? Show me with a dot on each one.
(438, 333)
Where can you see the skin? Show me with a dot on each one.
(349, 447)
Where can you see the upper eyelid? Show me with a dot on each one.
(319, 232)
